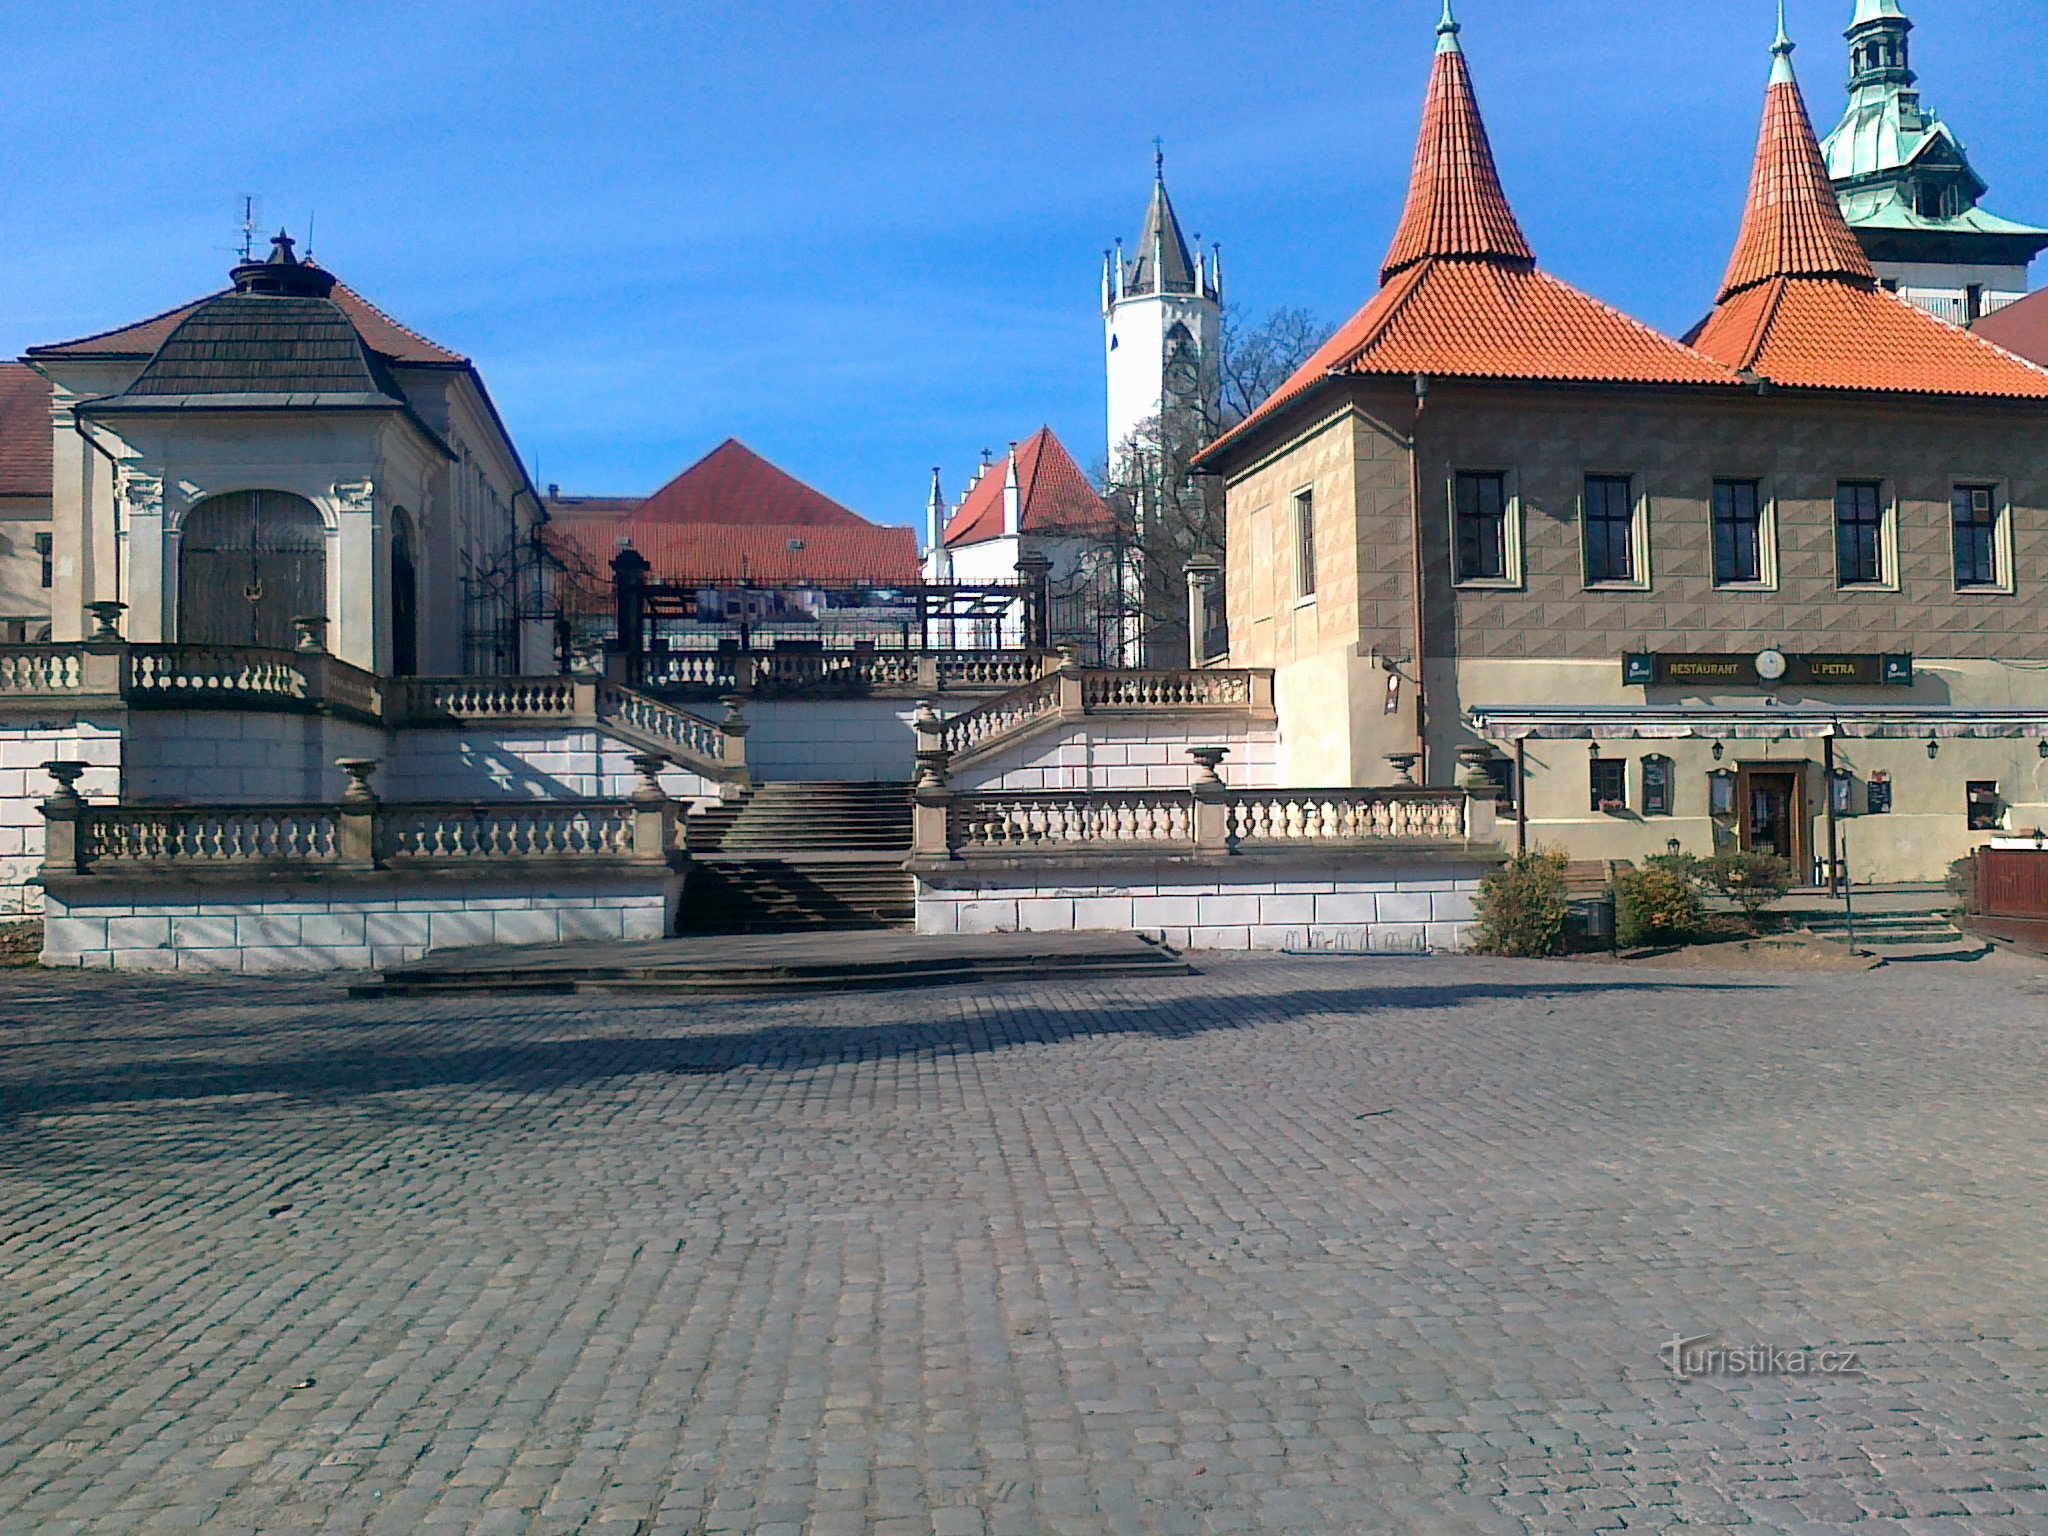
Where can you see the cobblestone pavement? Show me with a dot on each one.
(1328, 1245)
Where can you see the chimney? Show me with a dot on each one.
(1013, 499)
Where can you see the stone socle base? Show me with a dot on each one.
(337, 922)
(1367, 905)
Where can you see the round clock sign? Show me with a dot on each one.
(1770, 665)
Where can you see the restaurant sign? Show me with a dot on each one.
(1773, 669)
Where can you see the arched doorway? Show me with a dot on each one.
(405, 597)
(249, 563)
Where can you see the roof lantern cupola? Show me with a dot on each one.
(1880, 51)
(282, 273)
(1456, 209)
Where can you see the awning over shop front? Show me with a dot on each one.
(1654, 722)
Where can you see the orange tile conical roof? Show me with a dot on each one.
(1800, 305)
(1793, 226)
(1461, 294)
(1456, 207)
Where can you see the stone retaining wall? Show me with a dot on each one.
(337, 923)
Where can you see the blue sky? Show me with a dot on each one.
(866, 239)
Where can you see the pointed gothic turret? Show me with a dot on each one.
(1163, 263)
(1792, 226)
(1456, 208)
(1800, 305)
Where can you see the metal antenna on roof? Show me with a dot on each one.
(248, 227)
(309, 234)
(1158, 158)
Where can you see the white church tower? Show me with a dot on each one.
(1162, 315)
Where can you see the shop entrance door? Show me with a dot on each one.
(1773, 806)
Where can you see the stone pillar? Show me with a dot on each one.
(1482, 795)
(732, 733)
(64, 813)
(356, 578)
(1201, 573)
(931, 800)
(143, 566)
(629, 610)
(1034, 572)
(654, 813)
(72, 470)
(358, 813)
(1212, 800)
(1073, 698)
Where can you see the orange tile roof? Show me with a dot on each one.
(1800, 305)
(1053, 497)
(1455, 203)
(1462, 296)
(1792, 225)
(760, 554)
(733, 485)
(1819, 334)
(378, 330)
(24, 431)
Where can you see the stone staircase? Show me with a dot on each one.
(1892, 932)
(788, 856)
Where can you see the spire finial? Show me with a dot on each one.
(1447, 32)
(1158, 159)
(1781, 52)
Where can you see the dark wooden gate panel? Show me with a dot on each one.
(249, 563)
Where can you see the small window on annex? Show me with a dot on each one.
(1980, 796)
(1739, 536)
(1657, 773)
(1609, 783)
(1859, 534)
(1305, 544)
(1484, 549)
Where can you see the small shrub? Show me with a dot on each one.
(1753, 881)
(1961, 882)
(1522, 906)
(1658, 904)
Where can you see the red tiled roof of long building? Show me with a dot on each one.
(1053, 497)
(760, 554)
(733, 485)
(1462, 296)
(379, 331)
(1800, 305)
(1455, 207)
(24, 431)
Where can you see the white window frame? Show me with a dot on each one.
(1887, 534)
(1639, 531)
(2001, 537)
(1513, 577)
(1766, 535)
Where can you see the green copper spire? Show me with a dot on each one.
(1877, 10)
(1447, 32)
(1781, 52)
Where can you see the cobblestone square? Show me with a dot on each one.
(1318, 1245)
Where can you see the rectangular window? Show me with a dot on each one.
(1657, 786)
(1974, 519)
(1981, 798)
(44, 545)
(1859, 534)
(1305, 544)
(1738, 533)
(1482, 527)
(1610, 783)
(1502, 771)
(1610, 529)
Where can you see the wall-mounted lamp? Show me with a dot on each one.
(1933, 748)
(1717, 749)
(2042, 748)
(1672, 846)
(1593, 750)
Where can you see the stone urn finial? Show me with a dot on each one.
(65, 796)
(1069, 655)
(312, 631)
(735, 721)
(1473, 760)
(358, 769)
(1210, 760)
(1403, 764)
(649, 766)
(107, 616)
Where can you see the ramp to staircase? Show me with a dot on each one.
(793, 856)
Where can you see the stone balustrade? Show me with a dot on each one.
(189, 677)
(359, 834)
(715, 749)
(1074, 693)
(1211, 819)
(862, 672)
